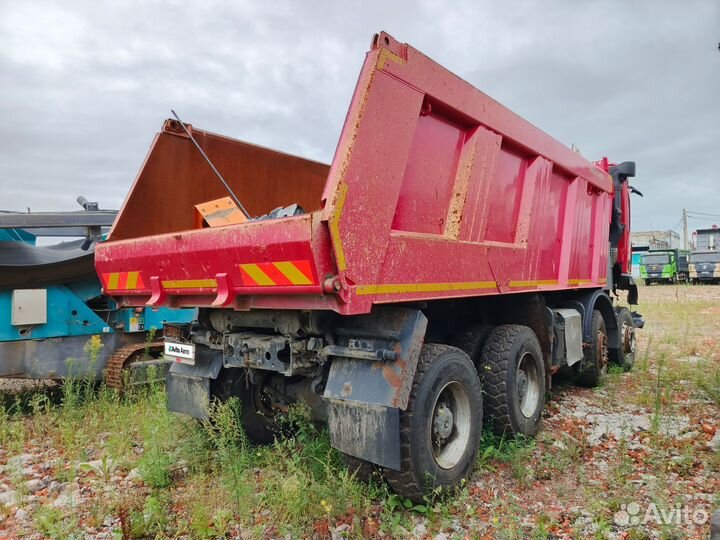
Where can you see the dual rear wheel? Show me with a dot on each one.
(597, 356)
(496, 372)
(510, 364)
(440, 430)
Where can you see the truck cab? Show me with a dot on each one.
(704, 267)
(664, 266)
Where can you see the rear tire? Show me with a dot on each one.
(440, 430)
(472, 341)
(593, 366)
(363, 470)
(513, 378)
(625, 355)
(257, 418)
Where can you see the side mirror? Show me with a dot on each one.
(625, 169)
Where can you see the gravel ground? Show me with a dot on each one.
(637, 458)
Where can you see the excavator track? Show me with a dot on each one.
(122, 358)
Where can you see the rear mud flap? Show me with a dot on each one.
(386, 383)
(188, 386)
(369, 432)
(365, 397)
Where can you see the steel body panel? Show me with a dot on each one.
(207, 267)
(370, 432)
(435, 191)
(81, 218)
(175, 177)
(66, 315)
(385, 383)
(60, 357)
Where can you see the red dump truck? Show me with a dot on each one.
(448, 262)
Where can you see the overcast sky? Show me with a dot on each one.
(84, 85)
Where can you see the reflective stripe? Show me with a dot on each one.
(112, 282)
(288, 273)
(334, 224)
(293, 273)
(132, 280)
(579, 281)
(399, 288)
(190, 284)
(257, 276)
(533, 283)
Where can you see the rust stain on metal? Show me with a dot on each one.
(460, 190)
(346, 390)
(391, 376)
(385, 56)
(338, 197)
(395, 374)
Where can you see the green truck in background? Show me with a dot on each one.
(664, 266)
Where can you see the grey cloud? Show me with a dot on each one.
(85, 85)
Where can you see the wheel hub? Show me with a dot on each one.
(602, 350)
(527, 384)
(443, 424)
(522, 385)
(630, 340)
(450, 426)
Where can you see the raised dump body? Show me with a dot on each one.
(427, 169)
(477, 227)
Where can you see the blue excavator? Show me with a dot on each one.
(52, 303)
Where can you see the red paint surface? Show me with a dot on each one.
(461, 192)
(428, 181)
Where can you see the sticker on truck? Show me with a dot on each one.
(180, 352)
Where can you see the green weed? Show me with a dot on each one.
(53, 523)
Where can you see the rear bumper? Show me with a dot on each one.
(212, 267)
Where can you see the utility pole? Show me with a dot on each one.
(685, 232)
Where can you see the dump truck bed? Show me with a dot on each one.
(435, 191)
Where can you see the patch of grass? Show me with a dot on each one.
(558, 456)
(12, 429)
(152, 519)
(230, 443)
(208, 521)
(208, 481)
(53, 523)
(307, 478)
(516, 452)
(507, 520)
(707, 380)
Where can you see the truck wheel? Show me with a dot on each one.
(440, 430)
(625, 355)
(363, 470)
(472, 341)
(513, 379)
(593, 366)
(256, 414)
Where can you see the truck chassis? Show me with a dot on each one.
(452, 259)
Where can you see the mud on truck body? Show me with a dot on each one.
(450, 260)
